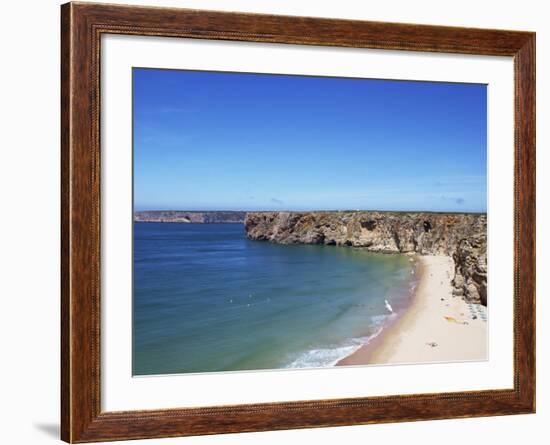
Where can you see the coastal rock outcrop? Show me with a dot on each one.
(470, 258)
(461, 236)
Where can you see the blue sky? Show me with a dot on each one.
(231, 141)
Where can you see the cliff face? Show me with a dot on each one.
(470, 259)
(461, 236)
(178, 216)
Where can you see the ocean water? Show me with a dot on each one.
(208, 299)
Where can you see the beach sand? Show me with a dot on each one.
(437, 327)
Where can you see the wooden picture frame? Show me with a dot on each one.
(82, 25)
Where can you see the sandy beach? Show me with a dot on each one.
(437, 327)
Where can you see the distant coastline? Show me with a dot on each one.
(239, 216)
(190, 216)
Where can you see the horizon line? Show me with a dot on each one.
(319, 211)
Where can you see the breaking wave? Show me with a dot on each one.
(326, 357)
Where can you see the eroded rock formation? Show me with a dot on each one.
(470, 259)
(461, 236)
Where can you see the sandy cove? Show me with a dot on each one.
(437, 327)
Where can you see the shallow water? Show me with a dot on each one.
(208, 299)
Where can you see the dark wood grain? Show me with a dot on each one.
(65, 227)
(81, 28)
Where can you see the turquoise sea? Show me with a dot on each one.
(208, 299)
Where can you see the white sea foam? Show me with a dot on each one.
(326, 357)
(380, 320)
(320, 358)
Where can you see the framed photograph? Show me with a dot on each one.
(274, 222)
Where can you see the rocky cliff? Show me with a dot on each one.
(461, 236)
(180, 216)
